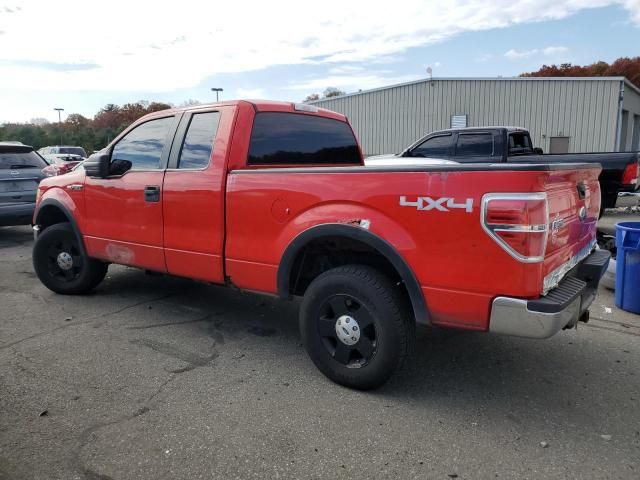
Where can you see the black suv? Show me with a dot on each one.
(20, 174)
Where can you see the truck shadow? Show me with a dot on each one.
(518, 381)
(573, 378)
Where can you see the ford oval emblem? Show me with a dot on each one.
(583, 213)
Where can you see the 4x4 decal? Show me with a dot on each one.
(442, 204)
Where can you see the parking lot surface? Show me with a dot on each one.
(164, 378)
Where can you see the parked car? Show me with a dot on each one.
(61, 163)
(620, 170)
(62, 150)
(20, 173)
(273, 197)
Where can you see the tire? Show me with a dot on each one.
(73, 273)
(355, 326)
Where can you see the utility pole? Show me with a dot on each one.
(59, 110)
(217, 90)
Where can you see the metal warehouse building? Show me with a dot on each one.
(563, 114)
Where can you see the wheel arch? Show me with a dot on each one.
(293, 259)
(51, 212)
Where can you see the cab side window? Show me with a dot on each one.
(141, 148)
(198, 142)
(474, 145)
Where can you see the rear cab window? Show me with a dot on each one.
(520, 144)
(281, 138)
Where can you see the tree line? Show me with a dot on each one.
(622, 67)
(90, 134)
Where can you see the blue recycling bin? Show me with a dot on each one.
(628, 266)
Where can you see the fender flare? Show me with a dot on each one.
(57, 204)
(356, 233)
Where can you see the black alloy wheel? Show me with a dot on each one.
(61, 264)
(348, 331)
(355, 325)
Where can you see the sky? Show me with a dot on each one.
(81, 55)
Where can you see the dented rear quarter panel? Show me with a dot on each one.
(460, 268)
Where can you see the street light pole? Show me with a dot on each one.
(59, 110)
(217, 90)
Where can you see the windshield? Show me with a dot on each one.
(17, 160)
(72, 150)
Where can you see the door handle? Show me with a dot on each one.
(151, 193)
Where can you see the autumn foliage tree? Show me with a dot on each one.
(91, 134)
(622, 67)
(328, 93)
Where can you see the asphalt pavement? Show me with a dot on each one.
(153, 377)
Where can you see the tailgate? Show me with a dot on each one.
(574, 204)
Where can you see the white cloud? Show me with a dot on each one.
(350, 83)
(551, 51)
(633, 6)
(547, 52)
(250, 93)
(518, 54)
(345, 69)
(70, 45)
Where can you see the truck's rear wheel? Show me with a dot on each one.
(61, 264)
(355, 326)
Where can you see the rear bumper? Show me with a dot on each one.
(560, 308)
(16, 214)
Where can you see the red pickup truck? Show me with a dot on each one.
(273, 197)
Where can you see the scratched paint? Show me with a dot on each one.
(119, 253)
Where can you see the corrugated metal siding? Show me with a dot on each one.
(388, 120)
(631, 103)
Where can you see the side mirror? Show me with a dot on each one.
(538, 151)
(97, 165)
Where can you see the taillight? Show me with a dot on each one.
(518, 222)
(630, 175)
(51, 171)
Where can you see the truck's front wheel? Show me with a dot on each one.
(355, 327)
(61, 264)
